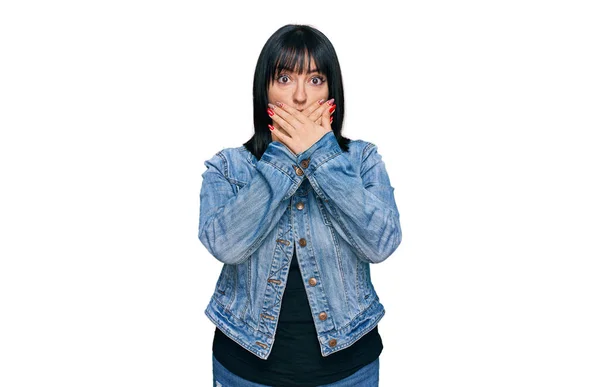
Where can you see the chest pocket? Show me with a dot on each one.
(323, 211)
(237, 185)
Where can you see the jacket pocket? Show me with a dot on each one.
(237, 185)
(225, 287)
(364, 286)
(323, 212)
(223, 283)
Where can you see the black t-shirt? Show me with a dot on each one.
(296, 359)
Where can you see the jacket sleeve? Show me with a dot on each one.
(358, 198)
(234, 224)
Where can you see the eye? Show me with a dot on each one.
(317, 80)
(283, 79)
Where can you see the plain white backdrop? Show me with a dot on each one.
(486, 115)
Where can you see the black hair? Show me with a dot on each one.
(290, 47)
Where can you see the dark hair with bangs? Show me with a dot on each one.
(290, 47)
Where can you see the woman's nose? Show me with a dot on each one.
(299, 95)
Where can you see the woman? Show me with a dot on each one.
(297, 215)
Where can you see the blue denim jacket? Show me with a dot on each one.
(336, 207)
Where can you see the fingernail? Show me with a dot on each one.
(271, 128)
(332, 109)
(270, 112)
(330, 102)
(271, 105)
(321, 101)
(330, 119)
(279, 104)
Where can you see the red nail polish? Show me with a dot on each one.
(321, 101)
(331, 109)
(330, 119)
(279, 104)
(271, 128)
(330, 102)
(270, 112)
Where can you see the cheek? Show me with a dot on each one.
(275, 94)
(323, 93)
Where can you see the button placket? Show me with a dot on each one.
(302, 242)
(268, 312)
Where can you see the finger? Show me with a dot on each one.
(279, 136)
(280, 121)
(326, 122)
(276, 125)
(290, 114)
(316, 116)
(312, 108)
(327, 117)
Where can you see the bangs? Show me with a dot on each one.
(296, 60)
(295, 56)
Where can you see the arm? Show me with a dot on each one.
(359, 199)
(232, 226)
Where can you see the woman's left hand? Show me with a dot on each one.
(303, 132)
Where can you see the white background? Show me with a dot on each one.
(486, 114)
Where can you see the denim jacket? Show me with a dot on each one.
(338, 210)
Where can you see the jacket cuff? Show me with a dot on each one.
(278, 156)
(319, 153)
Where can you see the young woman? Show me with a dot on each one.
(297, 214)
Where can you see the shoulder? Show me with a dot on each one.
(361, 148)
(231, 155)
(235, 163)
(366, 153)
(236, 154)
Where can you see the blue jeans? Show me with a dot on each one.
(368, 376)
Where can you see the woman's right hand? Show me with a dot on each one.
(311, 112)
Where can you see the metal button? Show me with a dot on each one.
(332, 342)
(312, 281)
(300, 206)
(304, 163)
(322, 316)
(302, 242)
(263, 345)
(299, 171)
